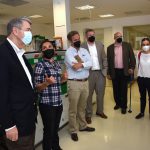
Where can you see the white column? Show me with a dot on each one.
(108, 39)
(61, 12)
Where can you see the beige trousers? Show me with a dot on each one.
(78, 93)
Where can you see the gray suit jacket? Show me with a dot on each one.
(101, 56)
(129, 61)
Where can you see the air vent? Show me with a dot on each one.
(13, 3)
(137, 12)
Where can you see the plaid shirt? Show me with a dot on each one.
(51, 94)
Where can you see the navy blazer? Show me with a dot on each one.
(17, 98)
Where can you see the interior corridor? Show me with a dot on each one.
(118, 132)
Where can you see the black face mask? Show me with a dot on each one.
(49, 53)
(91, 38)
(119, 40)
(77, 44)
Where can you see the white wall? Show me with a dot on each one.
(107, 37)
(37, 29)
(43, 30)
(111, 26)
(3, 29)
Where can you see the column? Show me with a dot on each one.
(61, 13)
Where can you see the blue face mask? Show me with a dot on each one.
(27, 37)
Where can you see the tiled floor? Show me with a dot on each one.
(118, 132)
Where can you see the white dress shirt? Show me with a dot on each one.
(94, 56)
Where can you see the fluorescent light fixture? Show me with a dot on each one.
(106, 15)
(35, 16)
(86, 7)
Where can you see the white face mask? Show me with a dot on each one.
(146, 48)
(27, 37)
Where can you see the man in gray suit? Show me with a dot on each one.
(98, 72)
(121, 64)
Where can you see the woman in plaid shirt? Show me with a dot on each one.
(48, 78)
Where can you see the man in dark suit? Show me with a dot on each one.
(121, 64)
(97, 76)
(17, 105)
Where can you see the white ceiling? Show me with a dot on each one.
(120, 8)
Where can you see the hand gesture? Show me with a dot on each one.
(50, 80)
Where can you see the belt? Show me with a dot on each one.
(95, 70)
(79, 79)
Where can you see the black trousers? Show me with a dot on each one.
(23, 143)
(51, 116)
(144, 86)
(120, 85)
(2, 143)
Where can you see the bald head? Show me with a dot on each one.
(117, 34)
(118, 37)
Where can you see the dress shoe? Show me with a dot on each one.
(116, 107)
(88, 120)
(74, 136)
(139, 116)
(88, 129)
(102, 115)
(123, 111)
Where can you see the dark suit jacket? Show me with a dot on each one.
(129, 61)
(16, 93)
(101, 56)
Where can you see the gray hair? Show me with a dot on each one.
(17, 22)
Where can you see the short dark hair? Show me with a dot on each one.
(45, 41)
(71, 34)
(88, 30)
(145, 39)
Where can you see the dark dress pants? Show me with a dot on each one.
(2, 143)
(144, 85)
(120, 85)
(23, 143)
(51, 116)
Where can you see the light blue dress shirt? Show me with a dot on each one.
(70, 60)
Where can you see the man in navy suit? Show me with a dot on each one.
(17, 106)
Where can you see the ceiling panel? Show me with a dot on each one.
(120, 8)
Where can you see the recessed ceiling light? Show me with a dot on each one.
(35, 16)
(106, 15)
(86, 7)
